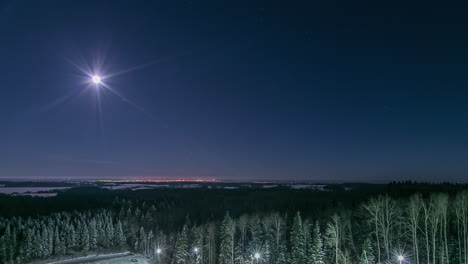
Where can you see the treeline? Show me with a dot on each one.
(59, 234)
(429, 229)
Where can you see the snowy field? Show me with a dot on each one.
(138, 186)
(315, 187)
(53, 191)
(33, 191)
(133, 186)
(142, 186)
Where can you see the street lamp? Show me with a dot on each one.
(158, 251)
(195, 250)
(401, 258)
(257, 256)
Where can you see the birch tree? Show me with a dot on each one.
(414, 211)
(333, 236)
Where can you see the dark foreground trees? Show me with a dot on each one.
(429, 229)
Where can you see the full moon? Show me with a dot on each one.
(96, 79)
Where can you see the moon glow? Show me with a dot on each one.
(96, 79)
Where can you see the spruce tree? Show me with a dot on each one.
(51, 239)
(198, 244)
(119, 236)
(181, 247)
(227, 233)
(70, 239)
(57, 244)
(93, 235)
(317, 254)
(150, 241)
(109, 234)
(283, 256)
(45, 240)
(3, 250)
(6, 245)
(28, 244)
(37, 248)
(306, 226)
(367, 255)
(85, 243)
(297, 241)
(141, 241)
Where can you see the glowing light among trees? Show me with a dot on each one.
(401, 259)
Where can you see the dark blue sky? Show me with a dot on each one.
(243, 90)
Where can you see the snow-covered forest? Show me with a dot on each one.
(430, 229)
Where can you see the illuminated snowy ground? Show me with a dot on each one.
(33, 191)
(40, 189)
(115, 258)
(123, 260)
(138, 186)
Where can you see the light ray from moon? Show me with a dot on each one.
(135, 68)
(130, 102)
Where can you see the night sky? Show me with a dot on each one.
(245, 90)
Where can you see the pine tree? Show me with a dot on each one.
(227, 233)
(297, 241)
